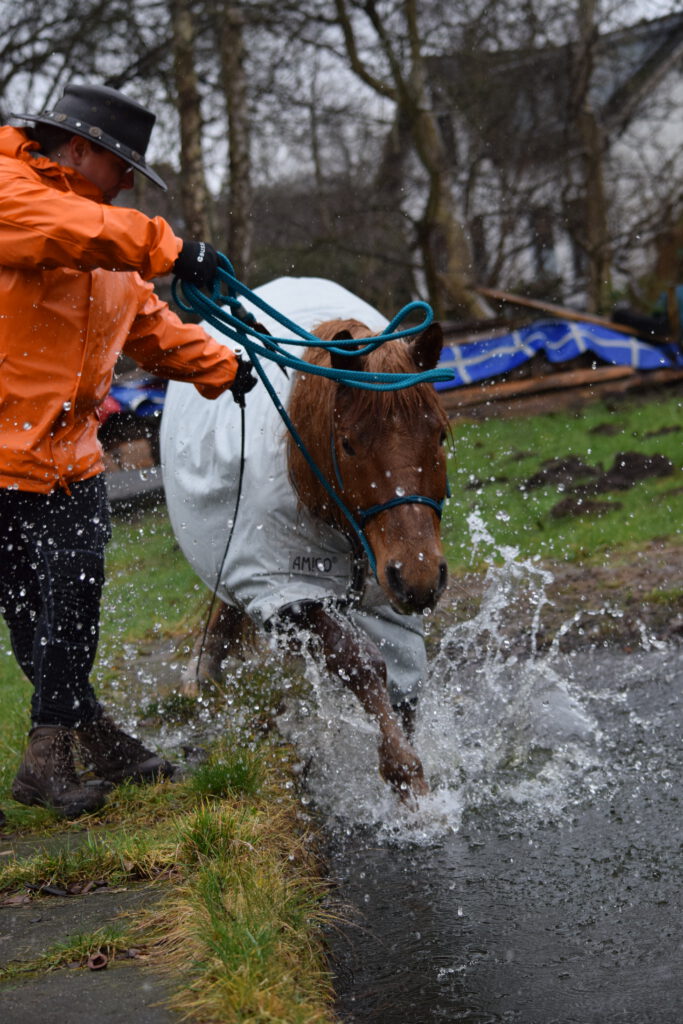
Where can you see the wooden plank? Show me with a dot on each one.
(561, 388)
(451, 335)
(552, 401)
(491, 391)
(552, 310)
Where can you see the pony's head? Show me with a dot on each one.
(379, 450)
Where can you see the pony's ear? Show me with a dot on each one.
(349, 360)
(426, 348)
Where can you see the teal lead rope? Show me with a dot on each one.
(224, 311)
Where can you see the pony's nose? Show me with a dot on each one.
(413, 594)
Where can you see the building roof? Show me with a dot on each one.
(519, 103)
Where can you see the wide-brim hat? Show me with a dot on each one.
(107, 118)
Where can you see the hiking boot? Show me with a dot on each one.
(47, 775)
(118, 757)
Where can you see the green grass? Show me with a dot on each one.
(491, 460)
(108, 940)
(233, 770)
(238, 926)
(235, 928)
(150, 587)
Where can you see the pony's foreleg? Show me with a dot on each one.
(354, 659)
(223, 637)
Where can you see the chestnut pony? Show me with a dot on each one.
(383, 453)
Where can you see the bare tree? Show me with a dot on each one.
(441, 237)
(341, 153)
(587, 144)
(193, 189)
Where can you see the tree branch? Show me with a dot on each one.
(355, 60)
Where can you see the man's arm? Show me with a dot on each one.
(161, 343)
(44, 227)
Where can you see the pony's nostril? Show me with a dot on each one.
(419, 596)
(394, 578)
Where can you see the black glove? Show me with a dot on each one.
(197, 264)
(244, 380)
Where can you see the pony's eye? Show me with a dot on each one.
(347, 446)
(442, 439)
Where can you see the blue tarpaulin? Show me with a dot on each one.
(559, 341)
(141, 397)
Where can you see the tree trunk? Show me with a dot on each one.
(597, 233)
(194, 195)
(444, 244)
(234, 84)
(445, 249)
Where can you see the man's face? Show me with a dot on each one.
(109, 172)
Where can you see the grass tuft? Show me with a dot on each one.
(236, 771)
(238, 926)
(243, 930)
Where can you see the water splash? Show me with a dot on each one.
(496, 724)
(500, 724)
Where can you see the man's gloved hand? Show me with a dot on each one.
(197, 264)
(244, 380)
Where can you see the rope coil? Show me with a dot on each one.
(225, 312)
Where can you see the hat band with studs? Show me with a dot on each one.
(63, 120)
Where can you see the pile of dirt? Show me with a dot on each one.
(581, 480)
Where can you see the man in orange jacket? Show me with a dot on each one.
(74, 294)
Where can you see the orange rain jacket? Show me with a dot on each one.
(72, 298)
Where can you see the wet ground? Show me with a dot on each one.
(618, 602)
(125, 990)
(556, 900)
(540, 881)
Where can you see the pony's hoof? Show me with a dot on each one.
(198, 674)
(400, 766)
(407, 780)
(410, 792)
(189, 688)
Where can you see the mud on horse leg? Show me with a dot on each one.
(357, 662)
(223, 636)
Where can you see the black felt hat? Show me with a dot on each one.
(106, 117)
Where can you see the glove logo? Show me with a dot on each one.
(202, 252)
